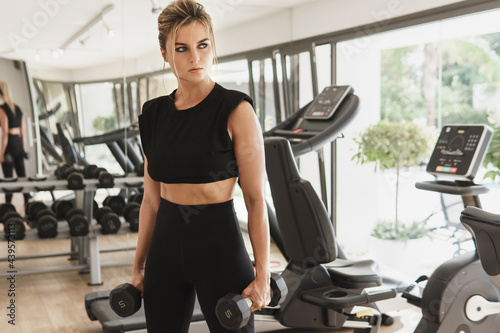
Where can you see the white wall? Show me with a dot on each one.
(308, 20)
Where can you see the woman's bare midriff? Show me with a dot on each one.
(199, 194)
(15, 131)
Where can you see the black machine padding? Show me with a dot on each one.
(485, 227)
(304, 223)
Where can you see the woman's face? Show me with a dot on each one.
(193, 57)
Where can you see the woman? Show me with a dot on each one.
(12, 153)
(197, 142)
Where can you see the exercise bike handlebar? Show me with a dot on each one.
(452, 187)
(485, 227)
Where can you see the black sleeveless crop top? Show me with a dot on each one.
(193, 145)
(14, 119)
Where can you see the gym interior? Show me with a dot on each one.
(381, 124)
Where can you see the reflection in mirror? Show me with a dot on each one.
(14, 75)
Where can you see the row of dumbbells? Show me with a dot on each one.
(114, 206)
(45, 219)
(75, 176)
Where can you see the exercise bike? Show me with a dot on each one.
(457, 296)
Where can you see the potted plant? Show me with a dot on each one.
(394, 145)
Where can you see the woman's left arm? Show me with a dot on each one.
(246, 135)
(22, 134)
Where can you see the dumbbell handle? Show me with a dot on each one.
(250, 303)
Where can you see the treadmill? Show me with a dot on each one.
(310, 128)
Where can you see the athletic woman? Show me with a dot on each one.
(12, 152)
(198, 141)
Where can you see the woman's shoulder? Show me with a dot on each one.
(155, 104)
(235, 96)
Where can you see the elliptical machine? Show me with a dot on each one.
(458, 289)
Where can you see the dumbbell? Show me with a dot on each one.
(131, 214)
(115, 202)
(61, 208)
(106, 179)
(32, 208)
(72, 175)
(233, 311)
(77, 222)
(109, 220)
(46, 223)
(136, 197)
(12, 221)
(125, 300)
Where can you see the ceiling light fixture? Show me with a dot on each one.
(87, 27)
(156, 9)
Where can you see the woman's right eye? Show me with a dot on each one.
(181, 49)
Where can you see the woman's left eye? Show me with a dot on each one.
(203, 46)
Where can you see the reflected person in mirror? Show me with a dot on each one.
(12, 153)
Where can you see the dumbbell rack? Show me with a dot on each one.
(86, 247)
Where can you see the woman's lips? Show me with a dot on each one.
(196, 70)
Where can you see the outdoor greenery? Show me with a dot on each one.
(393, 145)
(470, 76)
(404, 232)
(104, 124)
(492, 158)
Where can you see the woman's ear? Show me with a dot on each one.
(163, 54)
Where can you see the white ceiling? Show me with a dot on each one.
(33, 29)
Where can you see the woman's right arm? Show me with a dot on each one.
(4, 123)
(147, 219)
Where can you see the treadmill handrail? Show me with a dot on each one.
(113, 136)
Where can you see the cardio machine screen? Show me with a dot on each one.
(459, 151)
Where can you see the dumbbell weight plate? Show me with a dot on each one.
(233, 311)
(5, 208)
(106, 180)
(125, 300)
(279, 289)
(75, 181)
(47, 226)
(100, 213)
(61, 208)
(9, 215)
(45, 211)
(116, 203)
(131, 215)
(14, 229)
(110, 223)
(74, 211)
(89, 171)
(33, 207)
(78, 225)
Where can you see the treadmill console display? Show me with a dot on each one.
(326, 103)
(460, 151)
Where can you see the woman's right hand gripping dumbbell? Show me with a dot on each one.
(126, 299)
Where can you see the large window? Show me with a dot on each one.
(446, 72)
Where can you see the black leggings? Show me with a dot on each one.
(194, 249)
(15, 149)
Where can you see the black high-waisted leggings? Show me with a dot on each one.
(194, 249)
(16, 150)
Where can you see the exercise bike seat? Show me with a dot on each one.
(352, 274)
(485, 228)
